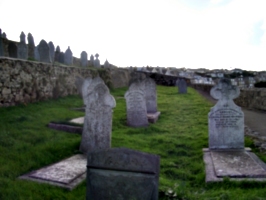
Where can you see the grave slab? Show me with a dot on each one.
(67, 173)
(153, 117)
(236, 165)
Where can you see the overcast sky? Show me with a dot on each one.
(213, 34)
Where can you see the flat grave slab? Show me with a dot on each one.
(67, 173)
(235, 164)
(153, 117)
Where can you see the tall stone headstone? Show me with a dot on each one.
(12, 50)
(1, 44)
(182, 86)
(84, 59)
(121, 173)
(44, 52)
(62, 57)
(31, 46)
(52, 52)
(92, 60)
(150, 95)
(57, 53)
(68, 58)
(226, 120)
(136, 105)
(97, 126)
(106, 64)
(22, 47)
(36, 54)
(97, 61)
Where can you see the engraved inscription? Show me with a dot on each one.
(226, 118)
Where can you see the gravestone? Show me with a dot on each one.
(182, 86)
(36, 54)
(22, 47)
(12, 50)
(68, 58)
(84, 59)
(226, 155)
(92, 61)
(226, 120)
(1, 44)
(4, 35)
(97, 126)
(44, 52)
(136, 105)
(121, 173)
(51, 47)
(97, 61)
(106, 64)
(31, 46)
(57, 53)
(62, 57)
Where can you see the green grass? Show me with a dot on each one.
(26, 144)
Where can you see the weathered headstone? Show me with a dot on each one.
(97, 61)
(106, 64)
(4, 35)
(226, 120)
(22, 47)
(136, 105)
(84, 59)
(91, 60)
(31, 46)
(182, 86)
(36, 54)
(57, 53)
(97, 126)
(62, 57)
(121, 173)
(51, 47)
(12, 50)
(44, 52)
(1, 44)
(68, 58)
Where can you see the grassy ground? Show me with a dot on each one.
(26, 143)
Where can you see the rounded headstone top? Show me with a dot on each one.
(224, 90)
(22, 37)
(57, 49)
(96, 55)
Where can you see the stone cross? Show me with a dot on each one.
(136, 105)
(97, 126)
(22, 47)
(97, 61)
(226, 120)
(84, 59)
(44, 52)
(68, 59)
(31, 46)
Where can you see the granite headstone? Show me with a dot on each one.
(97, 126)
(52, 52)
(36, 54)
(57, 53)
(121, 173)
(136, 105)
(106, 64)
(84, 59)
(68, 58)
(182, 86)
(92, 60)
(31, 46)
(150, 95)
(62, 57)
(22, 47)
(44, 52)
(226, 120)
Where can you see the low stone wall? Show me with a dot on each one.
(29, 81)
(254, 98)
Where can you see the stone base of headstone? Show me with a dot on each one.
(237, 165)
(153, 117)
(67, 173)
(66, 128)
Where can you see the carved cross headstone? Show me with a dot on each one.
(150, 95)
(136, 105)
(84, 59)
(97, 61)
(97, 126)
(31, 46)
(51, 46)
(44, 52)
(22, 47)
(121, 173)
(226, 120)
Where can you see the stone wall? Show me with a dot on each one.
(254, 98)
(24, 81)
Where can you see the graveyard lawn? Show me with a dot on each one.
(26, 144)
